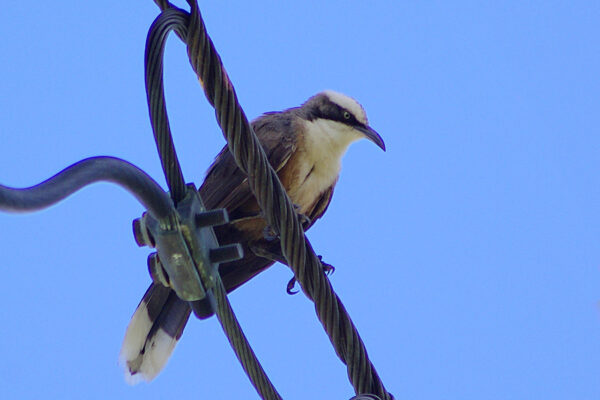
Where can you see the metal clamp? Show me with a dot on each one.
(188, 254)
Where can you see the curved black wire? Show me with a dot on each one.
(155, 46)
(83, 173)
(177, 20)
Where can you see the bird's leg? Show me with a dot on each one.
(269, 252)
(303, 218)
(274, 253)
(270, 234)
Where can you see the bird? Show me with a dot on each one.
(305, 146)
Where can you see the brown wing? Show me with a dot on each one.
(226, 185)
(238, 272)
(319, 208)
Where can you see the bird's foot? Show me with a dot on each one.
(327, 268)
(269, 233)
(305, 221)
(290, 287)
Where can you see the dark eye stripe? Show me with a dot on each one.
(340, 116)
(349, 121)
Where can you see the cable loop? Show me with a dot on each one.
(174, 19)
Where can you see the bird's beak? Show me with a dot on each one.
(372, 136)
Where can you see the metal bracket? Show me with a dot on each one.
(188, 254)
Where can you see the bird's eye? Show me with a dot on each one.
(346, 115)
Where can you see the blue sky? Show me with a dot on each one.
(467, 254)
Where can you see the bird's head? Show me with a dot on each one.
(343, 112)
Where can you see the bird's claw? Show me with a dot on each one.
(327, 268)
(303, 218)
(290, 287)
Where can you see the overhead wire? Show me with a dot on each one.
(271, 196)
(83, 173)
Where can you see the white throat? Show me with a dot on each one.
(325, 143)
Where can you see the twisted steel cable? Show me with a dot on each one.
(276, 205)
(158, 112)
(242, 348)
(174, 19)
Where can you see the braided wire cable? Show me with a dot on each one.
(174, 19)
(279, 210)
(164, 4)
(276, 205)
(242, 348)
(155, 46)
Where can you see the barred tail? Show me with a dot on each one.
(152, 334)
